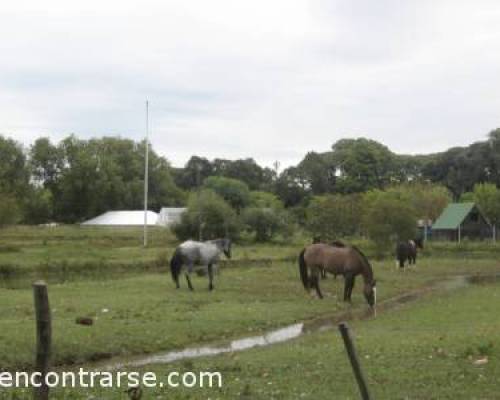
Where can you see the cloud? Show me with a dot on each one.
(269, 80)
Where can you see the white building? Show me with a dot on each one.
(170, 215)
(123, 218)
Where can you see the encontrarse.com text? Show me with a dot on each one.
(116, 379)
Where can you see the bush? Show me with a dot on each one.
(38, 207)
(209, 214)
(10, 212)
(388, 218)
(266, 223)
(333, 216)
(235, 192)
(261, 199)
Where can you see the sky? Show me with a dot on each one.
(267, 79)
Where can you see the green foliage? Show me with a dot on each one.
(428, 200)
(487, 198)
(467, 197)
(10, 212)
(38, 206)
(14, 174)
(266, 223)
(244, 170)
(209, 214)
(261, 199)
(333, 216)
(233, 191)
(387, 218)
(362, 164)
(318, 173)
(291, 187)
(88, 177)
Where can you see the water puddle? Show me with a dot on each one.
(273, 337)
(298, 329)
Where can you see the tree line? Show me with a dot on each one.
(77, 179)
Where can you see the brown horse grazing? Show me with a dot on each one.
(344, 260)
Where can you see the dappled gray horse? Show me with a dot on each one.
(191, 254)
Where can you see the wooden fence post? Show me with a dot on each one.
(353, 358)
(43, 337)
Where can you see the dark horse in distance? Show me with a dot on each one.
(338, 259)
(408, 251)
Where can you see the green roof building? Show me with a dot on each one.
(459, 221)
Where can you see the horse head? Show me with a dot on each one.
(370, 292)
(419, 243)
(226, 247)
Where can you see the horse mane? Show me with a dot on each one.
(364, 258)
(338, 243)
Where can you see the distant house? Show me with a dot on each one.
(123, 218)
(459, 221)
(170, 215)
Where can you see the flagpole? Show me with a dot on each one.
(146, 177)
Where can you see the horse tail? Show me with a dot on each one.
(303, 270)
(176, 265)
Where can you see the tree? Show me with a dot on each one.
(207, 216)
(14, 174)
(264, 222)
(388, 218)
(235, 192)
(333, 216)
(261, 199)
(196, 170)
(427, 199)
(318, 172)
(45, 162)
(487, 198)
(38, 206)
(245, 170)
(362, 164)
(108, 174)
(10, 212)
(291, 187)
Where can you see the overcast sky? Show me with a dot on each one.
(268, 79)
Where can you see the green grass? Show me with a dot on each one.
(146, 314)
(73, 252)
(105, 274)
(422, 350)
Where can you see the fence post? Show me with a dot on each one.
(353, 358)
(43, 338)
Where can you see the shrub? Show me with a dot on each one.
(235, 192)
(10, 212)
(333, 216)
(207, 213)
(266, 223)
(388, 218)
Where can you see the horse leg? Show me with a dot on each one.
(315, 282)
(353, 281)
(210, 277)
(189, 269)
(347, 285)
(323, 273)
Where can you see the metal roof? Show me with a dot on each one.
(123, 218)
(453, 215)
(170, 215)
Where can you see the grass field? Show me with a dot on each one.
(424, 350)
(137, 311)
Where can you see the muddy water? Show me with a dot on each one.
(295, 330)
